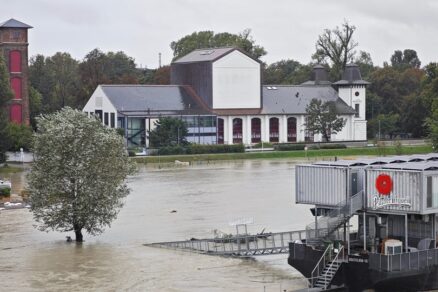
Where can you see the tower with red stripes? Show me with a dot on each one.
(13, 46)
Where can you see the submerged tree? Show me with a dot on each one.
(322, 118)
(78, 178)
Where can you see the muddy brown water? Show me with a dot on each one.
(205, 197)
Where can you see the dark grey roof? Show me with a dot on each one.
(156, 99)
(420, 161)
(351, 76)
(319, 76)
(289, 99)
(204, 55)
(14, 24)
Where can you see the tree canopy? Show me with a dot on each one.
(322, 118)
(286, 72)
(78, 177)
(5, 96)
(336, 46)
(210, 39)
(168, 132)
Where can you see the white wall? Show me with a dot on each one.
(99, 101)
(236, 82)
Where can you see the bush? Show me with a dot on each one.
(19, 136)
(289, 147)
(5, 192)
(201, 149)
(265, 145)
(131, 153)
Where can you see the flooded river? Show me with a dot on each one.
(204, 196)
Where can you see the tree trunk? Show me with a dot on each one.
(78, 234)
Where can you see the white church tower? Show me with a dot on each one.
(352, 90)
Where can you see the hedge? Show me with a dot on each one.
(5, 192)
(201, 149)
(289, 147)
(328, 146)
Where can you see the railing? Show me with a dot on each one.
(341, 251)
(403, 262)
(240, 245)
(328, 224)
(325, 258)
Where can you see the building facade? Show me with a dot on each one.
(227, 85)
(14, 47)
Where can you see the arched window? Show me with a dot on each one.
(237, 131)
(16, 113)
(220, 131)
(291, 130)
(256, 132)
(16, 87)
(15, 61)
(274, 130)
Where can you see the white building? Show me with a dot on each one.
(219, 93)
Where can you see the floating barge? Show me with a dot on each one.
(375, 224)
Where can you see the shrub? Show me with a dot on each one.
(201, 149)
(265, 145)
(171, 150)
(5, 192)
(131, 153)
(289, 147)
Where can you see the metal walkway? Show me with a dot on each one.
(238, 246)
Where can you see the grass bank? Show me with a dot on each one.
(381, 151)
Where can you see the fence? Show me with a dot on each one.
(403, 262)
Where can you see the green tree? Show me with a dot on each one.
(77, 180)
(322, 118)
(432, 125)
(384, 125)
(5, 96)
(19, 136)
(106, 68)
(168, 132)
(56, 78)
(337, 47)
(286, 72)
(406, 59)
(35, 105)
(209, 39)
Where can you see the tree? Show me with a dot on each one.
(19, 136)
(5, 96)
(56, 78)
(286, 72)
(106, 68)
(78, 178)
(432, 125)
(168, 132)
(406, 59)
(336, 46)
(35, 105)
(322, 118)
(209, 39)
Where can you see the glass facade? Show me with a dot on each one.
(202, 129)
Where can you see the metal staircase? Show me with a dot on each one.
(326, 269)
(328, 226)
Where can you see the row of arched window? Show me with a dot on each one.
(256, 131)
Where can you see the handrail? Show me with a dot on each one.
(331, 265)
(329, 248)
(404, 261)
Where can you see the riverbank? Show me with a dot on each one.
(321, 153)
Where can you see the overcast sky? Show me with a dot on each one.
(287, 29)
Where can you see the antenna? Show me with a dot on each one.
(159, 60)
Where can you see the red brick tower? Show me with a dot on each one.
(13, 45)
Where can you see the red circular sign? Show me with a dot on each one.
(384, 184)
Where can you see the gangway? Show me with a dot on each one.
(238, 245)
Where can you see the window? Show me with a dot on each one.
(291, 130)
(15, 61)
(274, 130)
(432, 191)
(15, 35)
(16, 87)
(256, 133)
(98, 114)
(237, 131)
(105, 119)
(113, 120)
(220, 131)
(356, 108)
(16, 113)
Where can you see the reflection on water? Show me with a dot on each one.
(205, 197)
